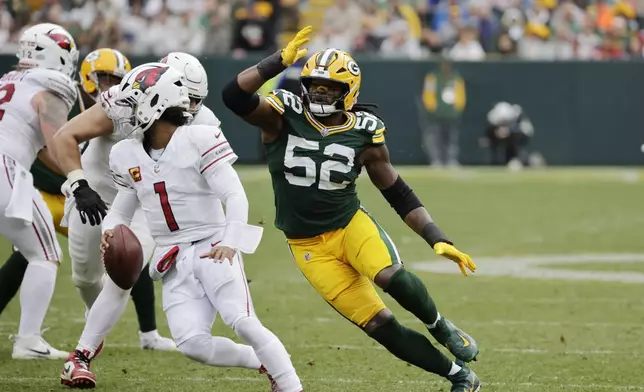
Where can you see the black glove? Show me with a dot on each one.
(88, 203)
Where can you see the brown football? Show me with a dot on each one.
(123, 258)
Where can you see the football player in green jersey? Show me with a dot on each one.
(316, 146)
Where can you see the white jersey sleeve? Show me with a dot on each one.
(55, 82)
(122, 176)
(206, 117)
(214, 150)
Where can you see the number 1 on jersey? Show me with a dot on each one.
(159, 189)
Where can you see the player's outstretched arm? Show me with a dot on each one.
(88, 125)
(52, 114)
(403, 199)
(240, 94)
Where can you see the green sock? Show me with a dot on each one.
(143, 297)
(11, 275)
(412, 347)
(410, 292)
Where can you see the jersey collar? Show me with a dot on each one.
(325, 131)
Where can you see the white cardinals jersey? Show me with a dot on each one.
(95, 158)
(179, 205)
(20, 134)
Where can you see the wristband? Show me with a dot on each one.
(432, 234)
(75, 176)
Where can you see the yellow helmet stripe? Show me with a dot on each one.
(326, 58)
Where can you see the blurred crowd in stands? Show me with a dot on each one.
(463, 30)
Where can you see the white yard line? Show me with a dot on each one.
(538, 267)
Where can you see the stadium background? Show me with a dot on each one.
(572, 66)
(556, 303)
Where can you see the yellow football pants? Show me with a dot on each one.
(56, 205)
(341, 265)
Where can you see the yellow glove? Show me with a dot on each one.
(292, 52)
(446, 250)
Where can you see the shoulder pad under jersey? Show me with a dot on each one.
(55, 82)
(206, 117)
(285, 102)
(371, 127)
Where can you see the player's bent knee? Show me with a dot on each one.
(378, 320)
(198, 348)
(382, 278)
(47, 264)
(248, 328)
(85, 281)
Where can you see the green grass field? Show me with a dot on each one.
(557, 304)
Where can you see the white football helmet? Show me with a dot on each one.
(48, 45)
(149, 90)
(196, 77)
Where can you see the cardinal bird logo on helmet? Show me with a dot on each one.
(62, 40)
(148, 78)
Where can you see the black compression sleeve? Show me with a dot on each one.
(271, 66)
(241, 102)
(401, 197)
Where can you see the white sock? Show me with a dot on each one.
(433, 325)
(35, 296)
(103, 315)
(455, 369)
(271, 353)
(218, 351)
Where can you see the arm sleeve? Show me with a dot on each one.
(214, 149)
(121, 211)
(225, 183)
(238, 234)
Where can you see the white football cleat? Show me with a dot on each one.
(153, 341)
(35, 347)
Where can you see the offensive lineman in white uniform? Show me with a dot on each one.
(107, 300)
(35, 100)
(179, 175)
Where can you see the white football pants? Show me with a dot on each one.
(195, 290)
(36, 241)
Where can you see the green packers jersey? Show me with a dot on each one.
(314, 167)
(45, 179)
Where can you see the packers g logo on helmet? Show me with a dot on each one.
(330, 65)
(102, 61)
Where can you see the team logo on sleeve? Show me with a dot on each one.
(135, 173)
(148, 78)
